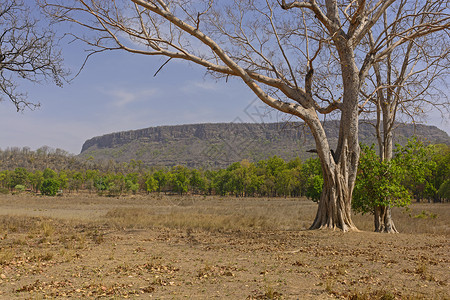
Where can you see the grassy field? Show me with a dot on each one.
(170, 247)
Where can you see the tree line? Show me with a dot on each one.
(417, 171)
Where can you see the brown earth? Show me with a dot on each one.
(171, 247)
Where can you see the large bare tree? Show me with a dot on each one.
(303, 58)
(408, 82)
(28, 50)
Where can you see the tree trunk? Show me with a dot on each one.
(382, 214)
(339, 167)
(339, 173)
(334, 211)
(383, 220)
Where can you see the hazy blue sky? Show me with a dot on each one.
(117, 91)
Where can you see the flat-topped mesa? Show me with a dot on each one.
(219, 144)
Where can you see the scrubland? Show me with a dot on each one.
(196, 247)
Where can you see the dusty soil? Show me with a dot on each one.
(85, 246)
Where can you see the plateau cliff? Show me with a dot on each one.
(218, 145)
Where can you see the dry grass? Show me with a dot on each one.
(198, 212)
(234, 214)
(215, 214)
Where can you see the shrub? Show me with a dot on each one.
(19, 188)
(50, 187)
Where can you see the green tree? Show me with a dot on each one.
(63, 179)
(197, 181)
(151, 184)
(180, 179)
(76, 181)
(91, 178)
(383, 184)
(161, 178)
(36, 180)
(131, 182)
(49, 173)
(115, 184)
(313, 187)
(221, 182)
(285, 182)
(5, 178)
(312, 179)
(20, 176)
(441, 173)
(50, 187)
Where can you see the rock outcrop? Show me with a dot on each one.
(218, 145)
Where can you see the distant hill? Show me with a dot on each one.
(218, 145)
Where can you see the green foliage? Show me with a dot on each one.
(75, 181)
(161, 178)
(36, 180)
(416, 159)
(151, 184)
(198, 181)
(378, 183)
(115, 184)
(19, 188)
(425, 215)
(131, 180)
(19, 177)
(439, 178)
(50, 187)
(312, 179)
(444, 189)
(63, 179)
(314, 186)
(49, 173)
(270, 178)
(391, 183)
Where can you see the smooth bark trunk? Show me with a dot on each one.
(383, 220)
(382, 214)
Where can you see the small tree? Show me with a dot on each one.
(50, 187)
(20, 176)
(382, 183)
(197, 181)
(180, 179)
(152, 184)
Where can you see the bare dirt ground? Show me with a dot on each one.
(170, 247)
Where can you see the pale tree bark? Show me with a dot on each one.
(303, 58)
(407, 82)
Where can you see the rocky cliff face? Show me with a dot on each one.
(217, 145)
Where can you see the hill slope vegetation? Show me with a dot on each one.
(218, 145)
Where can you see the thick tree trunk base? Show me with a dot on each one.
(334, 210)
(383, 220)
